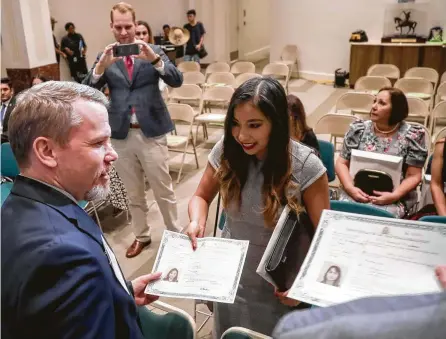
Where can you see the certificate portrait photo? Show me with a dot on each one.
(172, 275)
(331, 274)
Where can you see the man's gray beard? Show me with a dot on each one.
(98, 193)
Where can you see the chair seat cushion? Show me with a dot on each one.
(210, 117)
(174, 141)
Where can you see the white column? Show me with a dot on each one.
(26, 34)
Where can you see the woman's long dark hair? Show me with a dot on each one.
(298, 117)
(268, 96)
(149, 30)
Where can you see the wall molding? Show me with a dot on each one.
(258, 54)
(316, 76)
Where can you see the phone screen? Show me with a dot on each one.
(125, 50)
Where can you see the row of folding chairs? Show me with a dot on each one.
(217, 79)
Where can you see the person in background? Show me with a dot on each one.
(438, 176)
(196, 40)
(166, 31)
(63, 278)
(144, 32)
(57, 49)
(258, 169)
(8, 103)
(387, 133)
(74, 45)
(38, 79)
(139, 122)
(299, 129)
(390, 317)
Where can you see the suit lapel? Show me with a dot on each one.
(120, 64)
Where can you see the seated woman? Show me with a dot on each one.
(258, 169)
(299, 129)
(386, 132)
(438, 172)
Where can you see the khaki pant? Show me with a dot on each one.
(139, 155)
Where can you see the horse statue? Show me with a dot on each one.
(400, 23)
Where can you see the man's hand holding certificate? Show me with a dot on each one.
(354, 256)
(211, 272)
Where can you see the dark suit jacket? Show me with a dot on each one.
(141, 92)
(6, 120)
(56, 278)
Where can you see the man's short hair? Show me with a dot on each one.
(123, 7)
(7, 81)
(191, 11)
(47, 110)
(68, 25)
(166, 26)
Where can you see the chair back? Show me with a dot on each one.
(186, 92)
(384, 70)
(417, 107)
(276, 69)
(181, 112)
(241, 78)
(358, 208)
(9, 166)
(441, 134)
(189, 66)
(220, 93)
(427, 73)
(164, 326)
(443, 78)
(326, 150)
(243, 333)
(371, 83)
(439, 112)
(441, 93)
(289, 54)
(225, 78)
(194, 78)
(335, 124)
(217, 67)
(355, 102)
(243, 67)
(434, 218)
(415, 85)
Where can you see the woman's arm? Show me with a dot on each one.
(437, 184)
(316, 199)
(343, 173)
(199, 204)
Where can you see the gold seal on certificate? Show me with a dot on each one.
(211, 272)
(354, 256)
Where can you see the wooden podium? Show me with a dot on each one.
(404, 56)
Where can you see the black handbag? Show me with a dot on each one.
(202, 53)
(290, 250)
(372, 180)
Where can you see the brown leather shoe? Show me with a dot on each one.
(136, 248)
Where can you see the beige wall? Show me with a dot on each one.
(321, 29)
(92, 20)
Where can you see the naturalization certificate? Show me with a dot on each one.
(354, 256)
(211, 272)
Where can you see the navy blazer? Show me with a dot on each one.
(56, 278)
(141, 92)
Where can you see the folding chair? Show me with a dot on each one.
(279, 71)
(384, 70)
(441, 93)
(240, 67)
(194, 78)
(241, 78)
(427, 73)
(358, 208)
(182, 113)
(189, 66)
(371, 84)
(243, 333)
(434, 218)
(416, 88)
(289, 57)
(217, 67)
(418, 110)
(9, 170)
(439, 112)
(220, 79)
(334, 124)
(355, 103)
(188, 94)
(175, 324)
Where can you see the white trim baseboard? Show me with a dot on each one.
(316, 76)
(258, 54)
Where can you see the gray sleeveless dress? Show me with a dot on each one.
(256, 307)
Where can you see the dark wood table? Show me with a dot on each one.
(404, 56)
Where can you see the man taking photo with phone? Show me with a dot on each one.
(139, 120)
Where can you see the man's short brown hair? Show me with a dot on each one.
(46, 110)
(123, 7)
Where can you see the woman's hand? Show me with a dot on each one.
(357, 194)
(441, 275)
(383, 198)
(285, 300)
(194, 231)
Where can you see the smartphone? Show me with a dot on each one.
(125, 50)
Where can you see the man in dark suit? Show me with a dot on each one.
(139, 122)
(60, 279)
(8, 102)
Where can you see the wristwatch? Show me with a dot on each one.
(154, 62)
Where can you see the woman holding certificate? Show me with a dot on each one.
(258, 169)
(386, 132)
